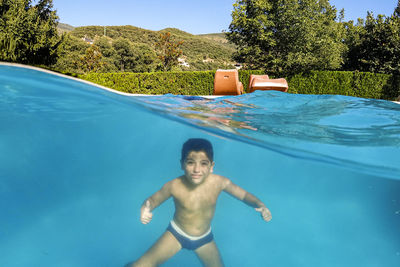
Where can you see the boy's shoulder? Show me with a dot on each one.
(178, 181)
(218, 177)
(222, 181)
(174, 181)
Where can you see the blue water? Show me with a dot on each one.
(76, 162)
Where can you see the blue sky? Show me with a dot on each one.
(193, 16)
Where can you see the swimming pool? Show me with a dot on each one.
(77, 161)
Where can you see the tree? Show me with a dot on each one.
(397, 10)
(92, 60)
(168, 51)
(124, 53)
(376, 46)
(133, 57)
(110, 58)
(352, 42)
(105, 45)
(28, 33)
(287, 35)
(69, 51)
(145, 59)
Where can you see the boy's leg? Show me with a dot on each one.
(165, 247)
(209, 255)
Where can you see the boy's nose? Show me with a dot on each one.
(196, 167)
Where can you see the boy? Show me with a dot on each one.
(195, 196)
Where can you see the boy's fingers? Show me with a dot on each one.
(147, 217)
(265, 213)
(262, 210)
(267, 217)
(145, 220)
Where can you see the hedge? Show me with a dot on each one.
(360, 84)
(182, 83)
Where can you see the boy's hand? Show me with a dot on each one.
(265, 213)
(145, 213)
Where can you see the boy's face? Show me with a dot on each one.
(197, 167)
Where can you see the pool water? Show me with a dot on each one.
(77, 161)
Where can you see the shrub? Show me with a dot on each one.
(359, 84)
(179, 83)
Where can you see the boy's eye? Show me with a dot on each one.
(204, 163)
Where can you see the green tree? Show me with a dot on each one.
(352, 41)
(168, 51)
(105, 45)
(69, 52)
(110, 57)
(145, 59)
(92, 60)
(287, 35)
(375, 47)
(28, 33)
(124, 53)
(397, 9)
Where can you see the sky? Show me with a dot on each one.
(192, 16)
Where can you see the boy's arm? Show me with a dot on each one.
(153, 202)
(248, 198)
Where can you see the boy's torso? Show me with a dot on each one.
(195, 206)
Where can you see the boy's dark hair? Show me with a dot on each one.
(197, 144)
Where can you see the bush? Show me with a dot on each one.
(359, 84)
(178, 83)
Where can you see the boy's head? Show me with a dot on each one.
(197, 144)
(197, 160)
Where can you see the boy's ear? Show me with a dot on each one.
(212, 166)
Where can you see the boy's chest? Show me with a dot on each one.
(196, 200)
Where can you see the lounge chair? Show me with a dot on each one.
(226, 82)
(263, 82)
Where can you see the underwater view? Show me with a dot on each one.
(77, 161)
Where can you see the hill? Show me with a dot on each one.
(200, 51)
(217, 37)
(62, 27)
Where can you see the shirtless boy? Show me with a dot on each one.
(195, 196)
